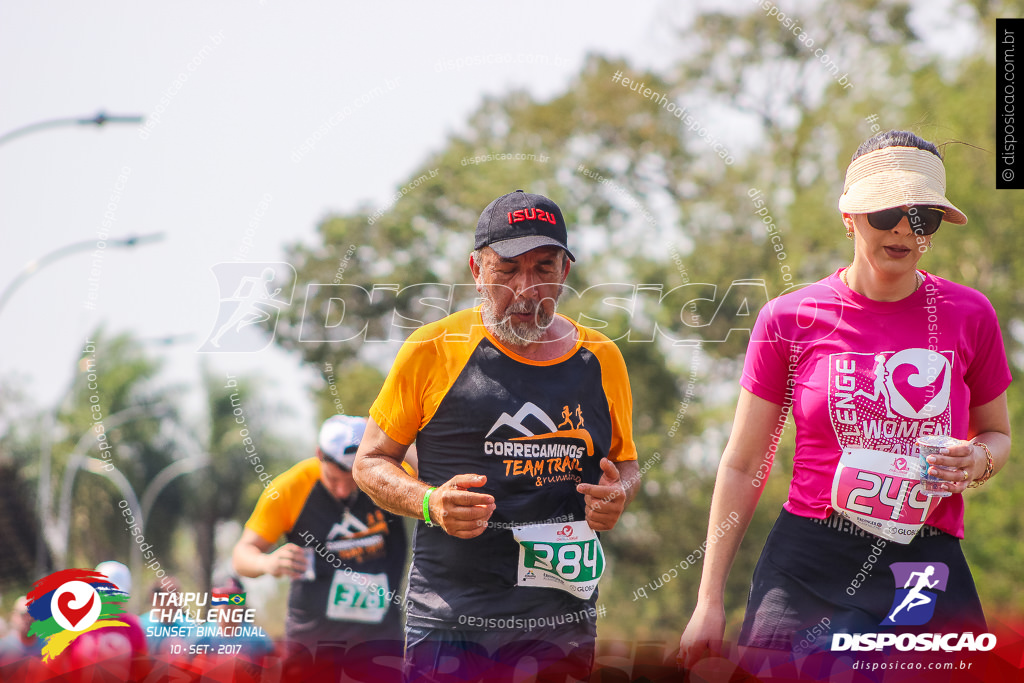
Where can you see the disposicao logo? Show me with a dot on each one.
(917, 589)
(71, 602)
(914, 603)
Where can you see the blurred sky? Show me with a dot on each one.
(232, 90)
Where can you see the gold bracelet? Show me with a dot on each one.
(989, 466)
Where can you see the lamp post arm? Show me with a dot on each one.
(98, 120)
(59, 531)
(32, 267)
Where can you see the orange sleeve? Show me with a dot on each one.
(615, 381)
(281, 502)
(424, 370)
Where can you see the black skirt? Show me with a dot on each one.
(816, 578)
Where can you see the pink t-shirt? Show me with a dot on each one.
(874, 374)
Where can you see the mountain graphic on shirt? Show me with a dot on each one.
(531, 410)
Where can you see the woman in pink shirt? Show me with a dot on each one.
(869, 359)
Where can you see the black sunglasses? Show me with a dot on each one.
(924, 220)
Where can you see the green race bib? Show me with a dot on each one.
(358, 597)
(566, 557)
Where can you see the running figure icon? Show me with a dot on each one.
(915, 598)
(248, 311)
(879, 387)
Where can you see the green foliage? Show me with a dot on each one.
(113, 392)
(358, 382)
(652, 203)
(243, 457)
(117, 443)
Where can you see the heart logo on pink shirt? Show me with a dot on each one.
(918, 382)
(917, 396)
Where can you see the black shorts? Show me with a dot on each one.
(816, 578)
(559, 653)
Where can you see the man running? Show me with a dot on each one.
(506, 560)
(344, 554)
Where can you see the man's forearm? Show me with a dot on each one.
(390, 486)
(249, 561)
(629, 471)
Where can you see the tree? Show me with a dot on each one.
(243, 457)
(115, 414)
(19, 521)
(652, 201)
(127, 470)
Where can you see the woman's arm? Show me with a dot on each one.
(744, 467)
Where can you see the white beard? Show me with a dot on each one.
(516, 334)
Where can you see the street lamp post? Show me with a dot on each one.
(100, 119)
(32, 267)
(58, 530)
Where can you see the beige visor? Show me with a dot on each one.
(897, 176)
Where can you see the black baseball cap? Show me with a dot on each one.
(517, 222)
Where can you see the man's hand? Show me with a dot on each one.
(606, 500)
(459, 512)
(288, 560)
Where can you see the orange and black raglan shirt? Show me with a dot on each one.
(536, 429)
(355, 545)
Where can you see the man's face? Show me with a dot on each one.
(337, 480)
(520, 293)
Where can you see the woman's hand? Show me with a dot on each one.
(958, 465)
(703, 634)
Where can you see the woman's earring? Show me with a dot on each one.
(849, 232)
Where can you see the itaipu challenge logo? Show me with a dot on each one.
(71, 602)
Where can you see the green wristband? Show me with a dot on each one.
(426, 506)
